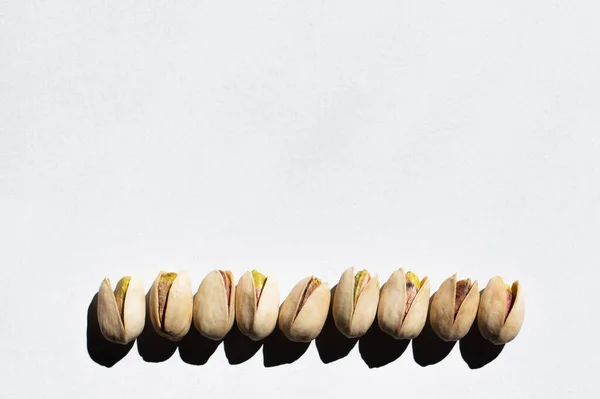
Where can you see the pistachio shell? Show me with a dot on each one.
(214, 310)
(492, 321)
(441, 314)
(122, 325)
(354, 321)
(305, 325)
(178, 307)
(256, 321)
(392, 307)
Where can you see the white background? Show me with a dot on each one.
(298, 137)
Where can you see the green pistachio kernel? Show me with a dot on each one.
(120, 293)
(359, 283)
(259, 283)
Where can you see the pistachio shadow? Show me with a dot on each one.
(475, 350)
(331, 344)
(196, 349)
(278, 350)
(152, 347)
(100, 350)
(238, 347)
(428, 348)
(378, 349)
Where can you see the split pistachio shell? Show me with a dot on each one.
(453, 308)
(355, 302)
(256, 305)
(170, 305)
(501, 311)
(122, 313)
(304, 311)
(403, 305)
(214, 305)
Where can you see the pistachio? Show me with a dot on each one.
(256, 305)
(121, 314)
(403, 305)
(304, 311)
(453, 308)
(355, 302)
(170, 305)
(214, 305)
(501, 311)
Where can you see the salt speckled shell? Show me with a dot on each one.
(492, 307)
(256, 322)
(392, 304)
(134, 312)
(308, 323)
(352, 322)
(212, 317)
(441, 313)
(178, 314)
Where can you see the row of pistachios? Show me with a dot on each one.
(401, 307)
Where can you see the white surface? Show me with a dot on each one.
(299, 137)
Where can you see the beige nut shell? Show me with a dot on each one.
(212, 316)
(441, 312)
(308, 323)
(178, 314)
(392, 305)
(350, 321)
(256, 321)
(134, 312)
(492, 307)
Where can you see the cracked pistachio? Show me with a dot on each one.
(122, 313)
(501, 311)
(304, 311)
(256, 305)
(170, 305)
(355, 302)
(453, 308)
(403, 305)
(214, 305)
